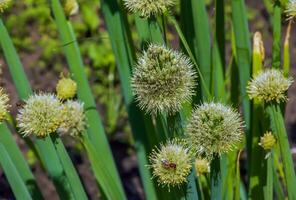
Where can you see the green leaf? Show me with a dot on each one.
(278, 127)
(7, 140)
(16, 183)
(95, 130)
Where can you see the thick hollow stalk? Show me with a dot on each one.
(216, 182)
(286, 57)
(278, 127)
(257, 165)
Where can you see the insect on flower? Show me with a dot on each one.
(168, 165)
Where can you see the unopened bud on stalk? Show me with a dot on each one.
(4, 4)
(214, 129)
(202, 166)
(258, 45)
(171, 163)
(270, 86)
(41, 115)
(163, 80)
(267, 141)
(148, 8)
(71, 7)
(3, 105)
(66, 88)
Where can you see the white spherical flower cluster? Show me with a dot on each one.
(163, 80)
(171, 163)
(148, 8)
(41, 115)
(74, 119)
(214, 129)
(270, 85)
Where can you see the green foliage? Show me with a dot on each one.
(122, 55)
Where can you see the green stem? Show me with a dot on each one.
(105, 178)
(278, 127)
(268, 189)
(276, 45)
(17, 185)
(216, 183)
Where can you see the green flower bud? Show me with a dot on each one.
(171, 163)
(3, 105)
(4, 4)
(267, 141)
(163, 80)
(202, 166)
(74, 122)
(214, 128)
(148, 8)
(270, 85)
(41, 115)
(66, 88)
(71, 7)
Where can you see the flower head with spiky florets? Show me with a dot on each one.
(74, 122)
(71, 7)
(267, 141)
(41, 115)
(171, 163)
(3, 105)
(148, 8)
(291, 9)
(66, 88)
(163, 79)
(202, 166)
(270, 86)
(4, 4)
(214, 129)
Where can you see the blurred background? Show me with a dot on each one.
(35, 36)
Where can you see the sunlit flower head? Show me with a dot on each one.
(269, 86)
(4, 4)
(74, 122)
(202, 166)
(148, 8)
(171, 163)
(291, 9)
(41, 115)
(3, 105)
(267, 141)
(163, 80)
(214, 129)
(71, 7)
